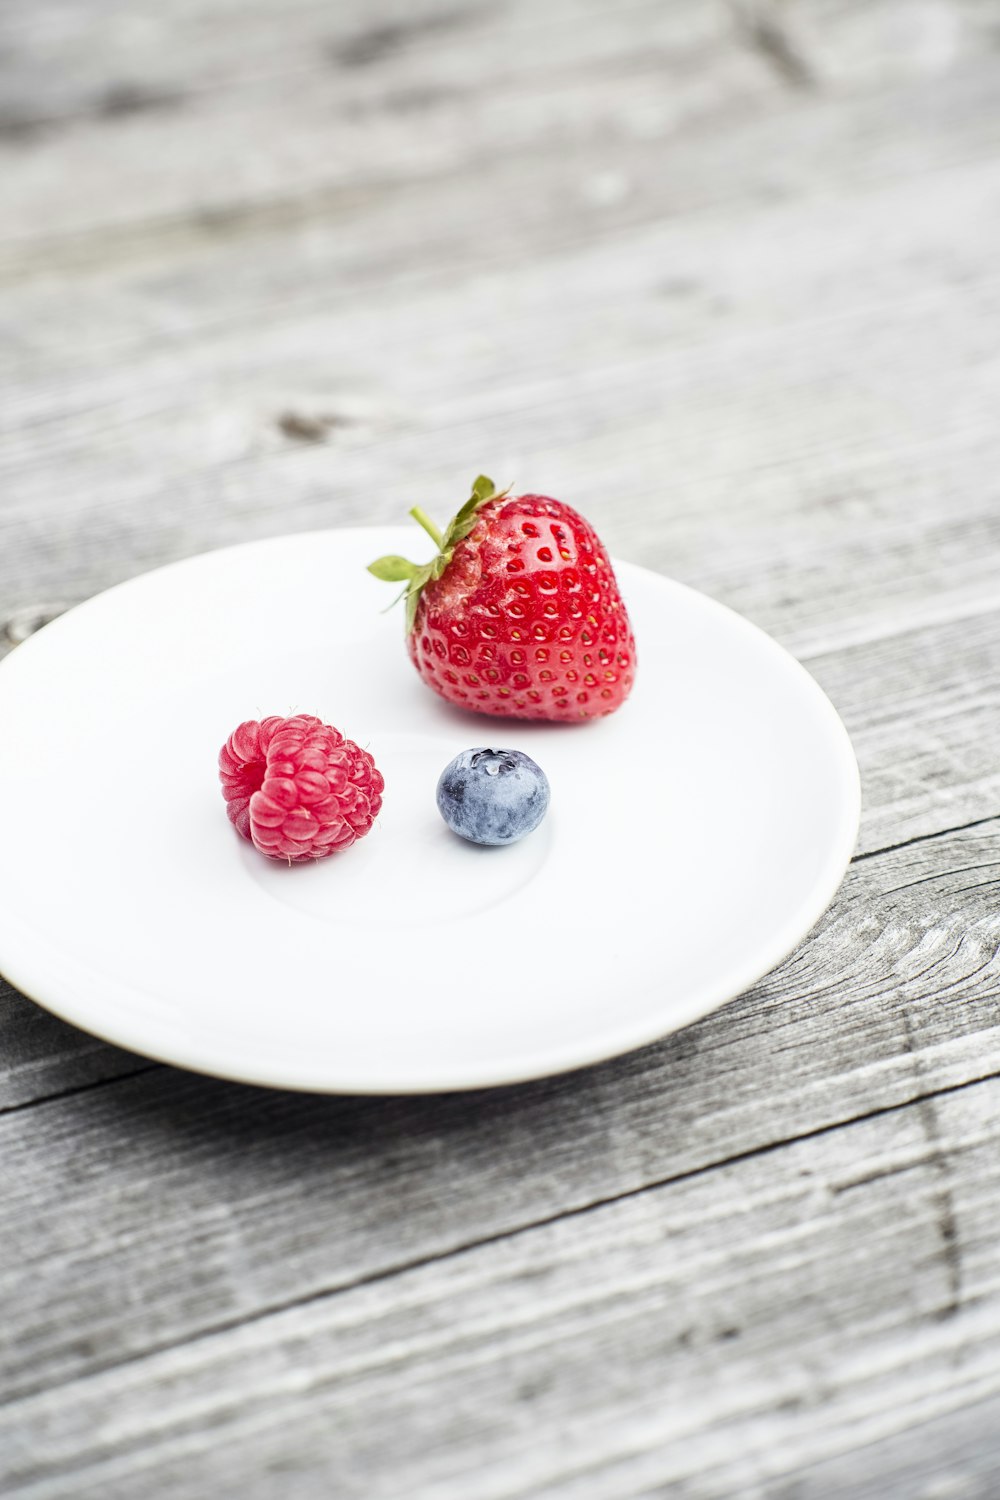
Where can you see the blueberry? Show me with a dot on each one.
(492, 796)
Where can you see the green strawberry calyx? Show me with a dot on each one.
(394, 569)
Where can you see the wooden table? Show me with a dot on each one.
(726, 278)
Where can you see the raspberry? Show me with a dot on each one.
(297, 788)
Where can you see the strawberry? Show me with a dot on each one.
(519, 613)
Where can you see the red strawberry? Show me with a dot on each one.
(296, 788)
(519, 614)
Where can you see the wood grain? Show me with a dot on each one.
(727, 382)
(724, 276)
(703, 1333)
(152, 1210)
(43, 1057)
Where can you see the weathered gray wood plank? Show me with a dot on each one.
(41, 1056)
(957, 1453)
(724, 277)
(815, 499)
(572, 68)
(838, 538)
(91, 67)
(923, 710)
(154, 1209)
(717, 1333)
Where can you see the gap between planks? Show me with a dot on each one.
(919, 1101)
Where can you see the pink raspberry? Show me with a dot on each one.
(297, 788)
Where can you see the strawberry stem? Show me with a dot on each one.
(425, 521)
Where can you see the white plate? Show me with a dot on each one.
(693, 839)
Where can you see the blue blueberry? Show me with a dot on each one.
(492, 796)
